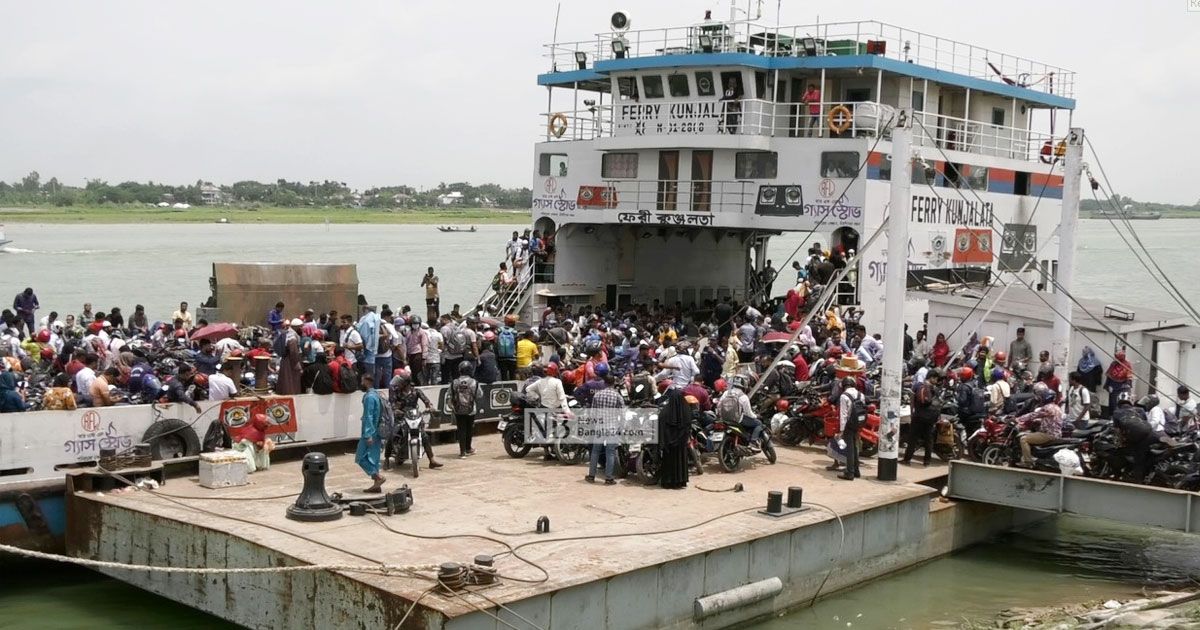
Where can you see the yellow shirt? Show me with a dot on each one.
(526, 351)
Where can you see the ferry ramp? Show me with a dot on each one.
(1098, 498)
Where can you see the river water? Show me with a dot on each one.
(160, 265)
(1061, 561)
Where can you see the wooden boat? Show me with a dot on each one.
(454, 228)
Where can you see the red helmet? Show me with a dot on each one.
(1000, 356)
(47, 354)
(510, 320)
(965, 374)
(720, 385)
(201, 379)
(782, 405)
(43, 336)
(552, 369)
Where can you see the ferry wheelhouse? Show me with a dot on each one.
(669, 157)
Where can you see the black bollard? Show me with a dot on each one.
(313, 504)
(774, 502)
(795, 496)
(543, 525)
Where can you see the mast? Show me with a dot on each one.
(892, 374)
(1072, 173)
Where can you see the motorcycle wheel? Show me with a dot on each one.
(869, 449)
(619, 470)
(649, 466)
(974, 449)
(993, 455)
(514, 441)
(414, 451)
(697, 463)
(730, 458)
(792, 432)
(569, 454)
(768, 449)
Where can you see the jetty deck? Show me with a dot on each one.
(498, 497)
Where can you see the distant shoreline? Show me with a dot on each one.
(128, 214)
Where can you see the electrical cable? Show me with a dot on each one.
(1059, 287)
(841, 548)
(1129, 225)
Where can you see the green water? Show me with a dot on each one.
(1063, 561)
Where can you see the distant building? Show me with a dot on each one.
(450, 199)
(210, 195)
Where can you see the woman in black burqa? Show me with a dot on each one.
(674, 430)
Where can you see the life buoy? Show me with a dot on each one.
(558, 125)
(840, 118)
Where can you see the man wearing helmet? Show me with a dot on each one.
(1154, 413)
(1048, 417)
(738, 386)
(1136, 435)
(403, 396)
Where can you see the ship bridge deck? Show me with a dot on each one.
(866, 43)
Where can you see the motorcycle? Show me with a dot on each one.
(733, 444)
(414, 429)
(1043, 455)
(512, 429)
(818, 422)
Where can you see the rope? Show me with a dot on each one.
(104, 564)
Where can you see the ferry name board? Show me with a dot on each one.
(697, 118)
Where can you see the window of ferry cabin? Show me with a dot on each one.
(839, 164)
(977, 177)
(998, 116)
(619, 166)
(1021, 183)
(704, 84)
(678, 85)
(738, 90)
(652, 86)
(756, 165)
(552, 164)
(627, 89)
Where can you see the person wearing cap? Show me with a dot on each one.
(290, 368)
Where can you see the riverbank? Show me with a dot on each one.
(138, 213)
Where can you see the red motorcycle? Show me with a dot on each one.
(819, 423)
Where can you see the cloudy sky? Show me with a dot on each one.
(418, 92)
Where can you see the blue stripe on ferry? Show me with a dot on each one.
(54, 509)
(1000, 187)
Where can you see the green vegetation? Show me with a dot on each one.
(1168, 210)
(282, 193)
(141, 213)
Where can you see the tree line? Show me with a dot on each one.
(31, 190)
(1089, 205)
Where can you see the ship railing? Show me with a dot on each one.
(687, 196)
(831, 38)
(508, 299)
(584, 124)
(972, 136)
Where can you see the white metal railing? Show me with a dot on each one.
(972, 136)
(834, 38)
(584, 124)
(508, 299)
(700, 196)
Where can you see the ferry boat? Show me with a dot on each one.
(1127, 212)
(671, 157)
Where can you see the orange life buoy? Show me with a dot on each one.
(840, 118)
(558, 125)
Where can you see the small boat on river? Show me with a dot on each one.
(454, 228)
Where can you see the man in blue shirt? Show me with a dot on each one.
(275, 317)
(367, 455)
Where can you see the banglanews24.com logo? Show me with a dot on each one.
(591, 426)
(1193, 6)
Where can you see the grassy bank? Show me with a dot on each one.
(206, 214)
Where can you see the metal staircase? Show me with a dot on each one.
(508, 299)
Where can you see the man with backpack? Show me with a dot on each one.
(455, 340)
(852, 414)
(925, 413)
(506, 349)
(464, 391)
(734, 408)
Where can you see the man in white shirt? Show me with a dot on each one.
(221, 385)
(681, 368)
(1079, 401)
(549, 390)
(849, 426)
(183, 314)
(1185, 408)
(84, 377)
(433, 355)
(350, 340)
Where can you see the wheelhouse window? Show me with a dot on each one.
(619, 166)
(704, 84)
(756, 165)
(839, 164)
(998, 116)
(885, 167)
(653, 86)
(552, 164)
(678, 84)
(627, 88)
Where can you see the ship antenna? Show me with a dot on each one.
(554, 40)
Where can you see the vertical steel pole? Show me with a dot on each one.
(1072, 174)
(894, 291)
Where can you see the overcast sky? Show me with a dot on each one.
(375, 93)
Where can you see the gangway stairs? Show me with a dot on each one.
(508, 299)
(1083, 496)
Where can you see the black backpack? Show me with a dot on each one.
(858, 410)
(347, 379)
(387, 422)
(323, 381)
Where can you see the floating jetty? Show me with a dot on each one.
(624, 556)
